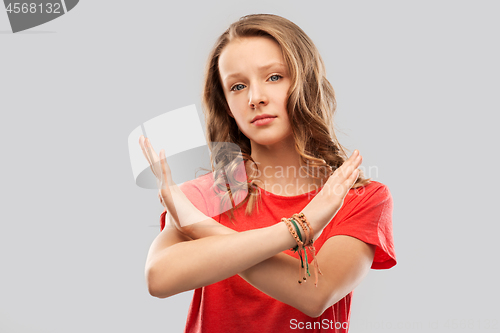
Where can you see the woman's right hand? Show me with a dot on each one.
(325, 205)
(182, 213)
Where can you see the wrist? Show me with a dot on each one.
(288, 240)
(303, 231)
(303, 234)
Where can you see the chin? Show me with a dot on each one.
(269, 136)
(267, 141)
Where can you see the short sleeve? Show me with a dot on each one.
(193, 193)
(367, 216)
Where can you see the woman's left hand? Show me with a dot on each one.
(182, 211)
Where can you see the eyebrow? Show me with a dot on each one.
(260, 68)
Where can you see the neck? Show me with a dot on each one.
(280, 169)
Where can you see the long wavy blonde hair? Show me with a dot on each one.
(310, 107)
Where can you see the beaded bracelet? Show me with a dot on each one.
(299, 249)
(293, 232)
(295, 235)
(309, 244)
(304, 227)
(307, 237)
(303, 243)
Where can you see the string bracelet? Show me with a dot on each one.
(303, 270)
(307, 237)
(295, 234)
(302, 232)
(295, 231)
(309, 243)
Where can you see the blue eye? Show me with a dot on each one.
(275, 77)
(238, 87)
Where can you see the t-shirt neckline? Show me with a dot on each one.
(284, 196)
(290, 196)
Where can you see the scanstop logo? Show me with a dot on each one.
(31, 13)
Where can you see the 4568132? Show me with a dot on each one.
(27, 8)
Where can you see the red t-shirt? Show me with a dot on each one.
(233, 305)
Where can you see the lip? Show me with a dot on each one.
(263, 121)
(262, 116)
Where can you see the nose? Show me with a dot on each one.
(257, 96)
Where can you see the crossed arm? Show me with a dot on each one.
(216, 252)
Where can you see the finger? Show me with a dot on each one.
(354, 154)
(347, 168)
(163, 174)
(351, 180)
(168, 188)
(353, 159)
(143, 148)
(165, 169)
(142, 143)
(153, 158)
(341, 189)
(350, 160)
(353, 166)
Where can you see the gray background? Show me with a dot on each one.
(417, 87)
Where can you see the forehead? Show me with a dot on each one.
(249, 53)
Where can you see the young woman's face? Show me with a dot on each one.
(255, 80)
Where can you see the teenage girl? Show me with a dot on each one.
(308, 227)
